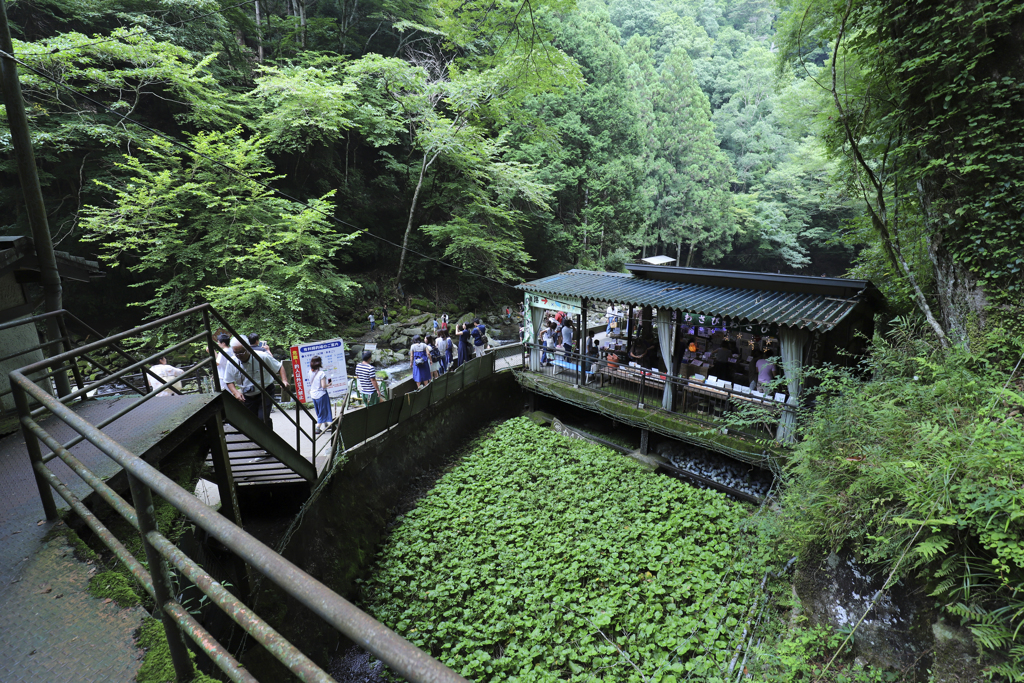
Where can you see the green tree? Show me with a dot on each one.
(202, 232)
(691, 172)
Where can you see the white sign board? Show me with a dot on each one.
(332, 357)
(567, 304)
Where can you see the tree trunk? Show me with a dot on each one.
(689, 257)
(679, 253)
(962, 300)
(301, 4)
(259, 32)
(879, 218)
(412, 211)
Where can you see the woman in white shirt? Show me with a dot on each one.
(318, 392)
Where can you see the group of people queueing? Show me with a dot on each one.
(556, 334)
(434, 355)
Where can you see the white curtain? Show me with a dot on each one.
(792, 342)
(665, 340)
(534, 319)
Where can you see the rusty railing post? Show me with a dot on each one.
(62, 325)
(212, 348)
(143, 499)
(35, 454)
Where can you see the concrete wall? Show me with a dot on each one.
(342, 530)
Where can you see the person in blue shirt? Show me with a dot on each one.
(479, 337)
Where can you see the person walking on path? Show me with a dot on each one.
(366, 379)
(444, 348)
(437, 326)
(384, 315)
(166, 373)
(248, 389)
(370, 318)
(419, 360)
(479, 337)
(318, 386)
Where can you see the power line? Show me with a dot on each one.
(243, 174)
(141, 32)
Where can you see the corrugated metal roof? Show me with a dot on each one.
(809, 311)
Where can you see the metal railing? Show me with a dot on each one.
(92, 365)
(125, 379)
(692, 400)
(161, 554)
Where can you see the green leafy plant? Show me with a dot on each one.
(541, 558)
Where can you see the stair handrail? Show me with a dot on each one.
(144, 480)
(299, 432)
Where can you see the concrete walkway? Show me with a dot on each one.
(51, 629)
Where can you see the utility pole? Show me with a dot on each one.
(30, 188)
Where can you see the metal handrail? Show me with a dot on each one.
(124, 411)
(144, 479)
(643, 380)
(299, 432)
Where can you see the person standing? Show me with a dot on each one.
(465, 343)
(318, 385)
(444, 322)
(419, 361)
(435, 356)
(566, 336)
(248, 389)
(366, 379)
(444, 347)
(384, 314)
(222, 358)
(370, 318)
(165, 373)
(479, 334)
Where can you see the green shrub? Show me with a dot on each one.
(922, 465)
(422, 304)
(546, 558)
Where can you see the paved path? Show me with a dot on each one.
(51, 629)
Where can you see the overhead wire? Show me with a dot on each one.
(130, 35)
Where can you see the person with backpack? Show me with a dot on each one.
(444, 347)
(435, 356)
(419, 361)
(479, 337)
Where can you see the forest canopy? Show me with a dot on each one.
(446, 149)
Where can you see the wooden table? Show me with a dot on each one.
(649, 378)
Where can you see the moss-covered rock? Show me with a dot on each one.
(157, 666)
(419, 319)
(422, 304)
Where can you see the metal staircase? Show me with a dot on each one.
(258, 456)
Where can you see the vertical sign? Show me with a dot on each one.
(332, 355)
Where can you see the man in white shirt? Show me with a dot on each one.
(247, 389)
(166, 373)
